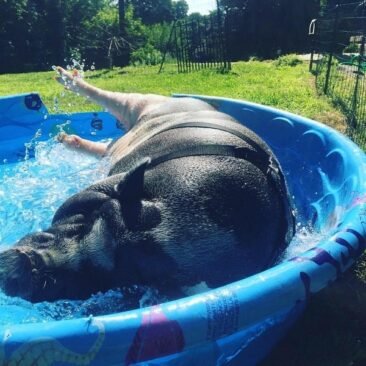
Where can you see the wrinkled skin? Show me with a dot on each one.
(169, 224)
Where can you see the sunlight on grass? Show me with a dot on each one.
(288, 88)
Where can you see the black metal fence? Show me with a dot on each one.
(201, 44)
(339, 62)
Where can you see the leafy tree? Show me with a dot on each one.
(180, 9)
(54, 43)
(121, 17)
(100, 30)
(157, 11)
(12, 33)
(76, 14)
(158, 35)
(106, 45)
(266, 28)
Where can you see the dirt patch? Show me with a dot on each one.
(333, 119)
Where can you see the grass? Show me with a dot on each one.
(332, 331)
(288, 88)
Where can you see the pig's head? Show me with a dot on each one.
(78, 254)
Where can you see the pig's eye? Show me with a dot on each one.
(80, 204)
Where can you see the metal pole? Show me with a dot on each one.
(312, 28)
(359, 74)
(329, 66)
(219, 39)
(166, 48)
(177, 51)
(226, 33)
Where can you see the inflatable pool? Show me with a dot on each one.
(233, 325)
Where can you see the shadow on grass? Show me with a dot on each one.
(99, 74)
(331, 332)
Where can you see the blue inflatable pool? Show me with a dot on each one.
(234, 325)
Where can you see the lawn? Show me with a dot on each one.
(333, 329)
(288, 88)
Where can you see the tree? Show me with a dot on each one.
(180, 9)
(106, 46)
(121, 17)
(153, 11)
(12, 34)
(55, 40)
(266, 28)
(76, 13)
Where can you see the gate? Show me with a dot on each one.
(201, 44)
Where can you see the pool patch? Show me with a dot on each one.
(33, 102)
(156, 337)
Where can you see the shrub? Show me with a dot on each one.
(287, 60)
(352, 48)
(146, 55)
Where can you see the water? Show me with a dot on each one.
(306, 237)
(31, 192)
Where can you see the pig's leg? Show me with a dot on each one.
(128, 108)
(77, 143)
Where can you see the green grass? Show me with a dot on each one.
(288, 88)
(332, 331)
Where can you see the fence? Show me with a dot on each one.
(200, 44)
(339, 62)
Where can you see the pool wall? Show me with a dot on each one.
(236, 324)
(24, 119)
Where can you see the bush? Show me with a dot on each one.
(287, 60)
(147, 55)
(352, 48)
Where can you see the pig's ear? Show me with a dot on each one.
(132, 186)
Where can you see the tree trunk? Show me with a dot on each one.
(122, 59)
(122, 14)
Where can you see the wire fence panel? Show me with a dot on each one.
(339, 62)
(201, 44)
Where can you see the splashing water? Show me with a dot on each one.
(79, 70)
(30, 193)
(305, 238)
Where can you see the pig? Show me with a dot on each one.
(192, 197)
